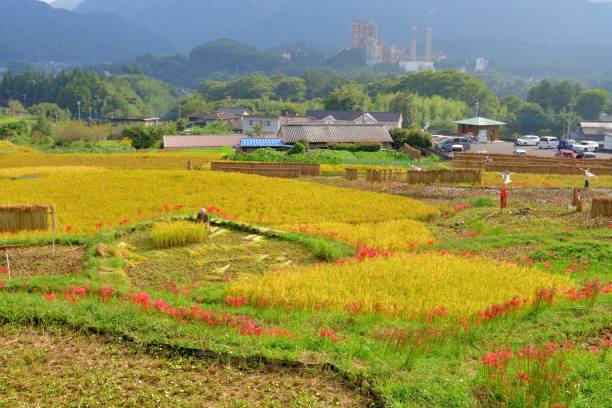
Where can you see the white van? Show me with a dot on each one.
(548, 142)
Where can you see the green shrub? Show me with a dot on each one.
(178, 233)
(356, 147)
(414, 137)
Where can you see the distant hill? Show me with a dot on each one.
(65, 4)
(33, 31)
(553, 35)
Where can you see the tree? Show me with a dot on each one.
(321, 82)
(530, 118)
(414, 137)
(193, 103)
(348, 98)
(15, 106)
(541, 93)
(593, 102)
(146, 137)
(450, 85)
(289, 88)
(50, 111)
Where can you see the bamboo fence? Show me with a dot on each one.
(16, 218)
(438, 176)
(602, 207)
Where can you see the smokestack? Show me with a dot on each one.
(413, 47)
(428, 46)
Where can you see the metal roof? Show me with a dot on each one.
(479, 122)
(320, 133)
(186, 142)
(262, 142)
(212, 116)
(604, 126)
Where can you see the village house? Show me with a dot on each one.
(320, 135)
(260, 125)
(595, 131)
(129, 121)
(391, 120)
(204, 119)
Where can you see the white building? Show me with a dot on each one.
(260, 125)
(481, 65)
(417, 66)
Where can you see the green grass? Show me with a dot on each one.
(409, 363)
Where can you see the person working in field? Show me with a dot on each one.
(203, 217)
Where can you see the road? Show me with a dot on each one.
(499, 147)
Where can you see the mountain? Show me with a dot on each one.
(65, 4)
(33, 31)
(546, 34)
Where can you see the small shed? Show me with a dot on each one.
(250, 144)
(320, 135)
(201, 142)
(478, 126)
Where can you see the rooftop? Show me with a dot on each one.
(203, 141)
(321, 133)
(354, 115)
(262, 142)
(479, 121)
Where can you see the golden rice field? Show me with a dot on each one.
(520, 180)
(406, 286)
(89, 198)
(395, 235)
(17, 156)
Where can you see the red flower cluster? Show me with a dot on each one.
(4, 271)
(106, 292)
(501, 309)
(497, 359)
(438, 312)
(328, 334)
(461, 207)
(75, 293)
(589, 290)
(50, 297)
(236, 302)
(364, 253)
(220, 213)
(1, 283)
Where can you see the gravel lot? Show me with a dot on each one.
(499, 147)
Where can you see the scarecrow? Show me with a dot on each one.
(503, 197)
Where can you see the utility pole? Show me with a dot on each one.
(79, 108)
(569, 122)
(90, 108)
(477, 108)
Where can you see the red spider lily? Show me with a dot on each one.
(99, 226)
(236, 302)
(354, 308)
(139, 212)
(497, 359)
(461, 207)
(106, 292)
(4, 271)
(412, 246)
(70, 297)
(68, 228)
(125, 221)
(143, 299)
(547, 265)
(440, 312)
(50, 297)
(590, 290)
(594, 348)
(78, 291)
(501, 309)
(179, 207)
(279, 333)
(329, 335)
(1, 283)
(430, 243)
(166, 208)
(443, 252)
(523, 377)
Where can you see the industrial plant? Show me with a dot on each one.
(376, 51)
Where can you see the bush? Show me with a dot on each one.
(179, 233)
(355, 147)
(13, 129)
(146, 137)
(70, 131)
(483, 202)
(414, 137)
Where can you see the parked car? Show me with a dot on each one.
(519, 152)
(548, 142)
(595, 145)
(457, 148)
(585, 147)
(565, 154)
(586, 156)
(447, 145)
(529, 140)
(566, 144)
